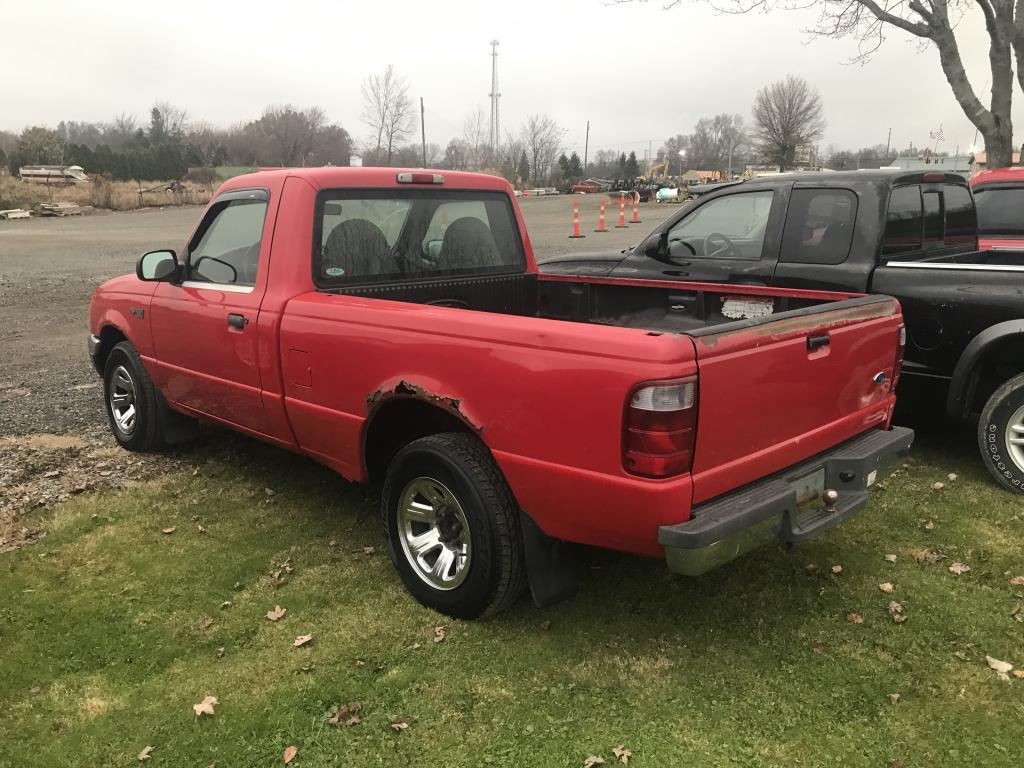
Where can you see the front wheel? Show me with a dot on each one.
(1001, 434)
(131, 400)
(453, 526)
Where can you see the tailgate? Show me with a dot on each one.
(776, 390)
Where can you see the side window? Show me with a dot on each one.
(819, 226)
(903, 224)
(228, 248)
(934, 222)
(731, 227)
(961, 219)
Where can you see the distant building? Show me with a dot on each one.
(947, 163)
(979, 162)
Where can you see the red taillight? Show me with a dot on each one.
(933, 176)
(900, 349)
(659, 428)
(420, 178)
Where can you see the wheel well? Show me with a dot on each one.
(397, 422)
(110, 337)
(1000, 362)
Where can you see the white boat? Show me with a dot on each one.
(53, 174)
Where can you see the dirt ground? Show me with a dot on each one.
(54, 439)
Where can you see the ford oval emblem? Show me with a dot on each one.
(879, 377)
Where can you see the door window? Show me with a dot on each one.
(227, 247)
(904, 222)
(730, 227)
(819, 226)
(934, 224)
(961, 220)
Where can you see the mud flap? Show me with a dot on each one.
(551, 565)
(175, 427)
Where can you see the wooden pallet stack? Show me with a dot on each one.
(58, 209)
(15, 213)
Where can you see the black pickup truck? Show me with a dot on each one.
(909, 235)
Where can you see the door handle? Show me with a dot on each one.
(675, 273)
(237, 321)
(817, 341)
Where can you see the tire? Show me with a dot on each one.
(484, 571)
(125, 376)
(1001, 420)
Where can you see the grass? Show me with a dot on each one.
(99, 193)
(102, 653)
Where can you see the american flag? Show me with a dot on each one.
(937, 135)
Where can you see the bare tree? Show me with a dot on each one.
(175, 119)
(387, 110)
(870, 21)
(787, 114)
(476, 134)
(541, 136)
(289, 133)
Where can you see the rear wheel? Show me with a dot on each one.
(131, 400)
(1001, 434)
(453, 526)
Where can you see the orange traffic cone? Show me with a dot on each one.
(600, 220)
(622, 212)
(576, 220)
(636, 209)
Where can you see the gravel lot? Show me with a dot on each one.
(53, 433)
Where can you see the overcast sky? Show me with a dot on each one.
(637, 72)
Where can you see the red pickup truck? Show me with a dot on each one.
(393, 325)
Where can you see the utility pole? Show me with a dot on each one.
(423, 133)
(888, 141)
(495, 120)
(586, 146)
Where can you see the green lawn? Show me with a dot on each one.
(102, 652)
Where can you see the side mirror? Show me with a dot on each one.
(157, 266)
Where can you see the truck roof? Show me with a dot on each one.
(333, 176)
(997, 175)
(885, 176)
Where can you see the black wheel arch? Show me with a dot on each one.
(981, 355)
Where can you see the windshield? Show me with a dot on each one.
(1000, 210)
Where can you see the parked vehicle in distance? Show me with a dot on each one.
(999, 197)
(392, 325)
(908, 235)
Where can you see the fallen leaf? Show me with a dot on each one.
(289, 754)
(886, 587)
(938, 486)
(951, 476)
(438, 634)
(346, 714)
(220, 653)
(369, 550)
(545, 625)
(205, 707)
(1017, 581)
(593, 760)
(928, 556)
(810, 569)
(205, 624)
(226, 604)
(35, 690)
(957, 568)
(895, 608)
(818, 648)
(201, 529)
(332, 543)
(1019, 674)
(837, 569)
(268, 491)
(893, 698)
(1001, 668)
(622, 753)
(890, 558)
(277, 613)
(144, 754)
(302, 640)
(170, 530)
(400, 725)
(929, 525)
(855, 618)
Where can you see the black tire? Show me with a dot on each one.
(496, 570)
(145, 434)
(992, 428)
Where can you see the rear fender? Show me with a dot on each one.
(958, 400)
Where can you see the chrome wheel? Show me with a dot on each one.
(1015, 437)
(122, 400)
(434, 533)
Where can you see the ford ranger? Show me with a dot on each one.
(393, 326)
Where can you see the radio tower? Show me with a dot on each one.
(495, 122)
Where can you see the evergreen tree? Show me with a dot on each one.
(524, 168)
(632, 169)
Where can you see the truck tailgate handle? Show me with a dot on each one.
(237, 321)
(817, 341)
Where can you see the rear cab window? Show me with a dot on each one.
(928, 217)
(1000, 210)
(819, 226)
(381, 235)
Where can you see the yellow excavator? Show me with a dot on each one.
(654, 171)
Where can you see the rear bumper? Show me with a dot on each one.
(727, 527)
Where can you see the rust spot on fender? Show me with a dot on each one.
(408, 389)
